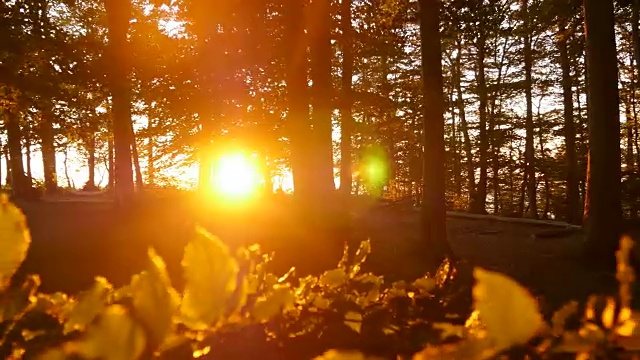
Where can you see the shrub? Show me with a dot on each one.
(232, 307)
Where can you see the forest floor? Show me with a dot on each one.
(75, 241)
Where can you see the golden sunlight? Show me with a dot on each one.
(236, 176)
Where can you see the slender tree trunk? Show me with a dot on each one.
(297, 97)
(14, 141)
(346, 125)
(434, 226)
(321, 97)
(118, 16)
(604, 215)
(457, 186)
(572, 214)
(111, 165)
(136, 160)
(91, 162)
(27, 155)
(7, 159)
(480, 201)
(151, 170)
(471, 176)
(47, 144)
(530, 167)
(635, 33)
(70, 184)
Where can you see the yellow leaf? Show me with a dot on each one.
(88, 306)
(211, 277)
(281, 298)
(508, 311)
(341, 355)
(14, 240)
(353, 320)
(154, 299)
(333, 278)
(114, 337)
(424, 284)
(52, 354)
(448, 330)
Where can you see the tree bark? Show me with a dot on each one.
(297, 96)
(433, 215)
(604, 215)
(14, 140)
(91, 162)
(346, 124)
(572, 193)
(136, 159)
(480, 200)
(47, 143)
(529, 156)
(118, 16)
(151, 170)
(466, 139)
(321, 97)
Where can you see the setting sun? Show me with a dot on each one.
(236, 176)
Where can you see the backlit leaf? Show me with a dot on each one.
(333, 278)
(341, 355)
(272, 304)
(211, 277)
(14, 240)
(353, 320)
(508, 311)
(114, 337)
(88, 306)
(154, 299)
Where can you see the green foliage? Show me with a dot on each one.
(232, 298)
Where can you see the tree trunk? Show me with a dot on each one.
(27, 156)
(18, 180)
(529, 156)
(47, 144)
(111, 165)
(91, 162)
(118, 16)
(572, 214)
(151, 170)
(635, 33)
(433, 215)
(604, 215)
(136, 159)
(321, 97)
(7, 159)
(346, 125)
(297, 97)
(480, 201)
(471, 170)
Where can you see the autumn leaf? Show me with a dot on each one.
(508, 311)
(14, 240)
(154, 299)
(211, 278)
(116, 336)
(90, 303)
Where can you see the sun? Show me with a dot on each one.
(236, 176)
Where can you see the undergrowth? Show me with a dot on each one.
(232, 307)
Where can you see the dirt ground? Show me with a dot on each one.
(74, 242)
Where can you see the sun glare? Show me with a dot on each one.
(236, 176)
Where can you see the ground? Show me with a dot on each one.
(75, 241)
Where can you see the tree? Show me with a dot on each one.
(118, 15)
(604, 208)
(433, 216)
(346, 123)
